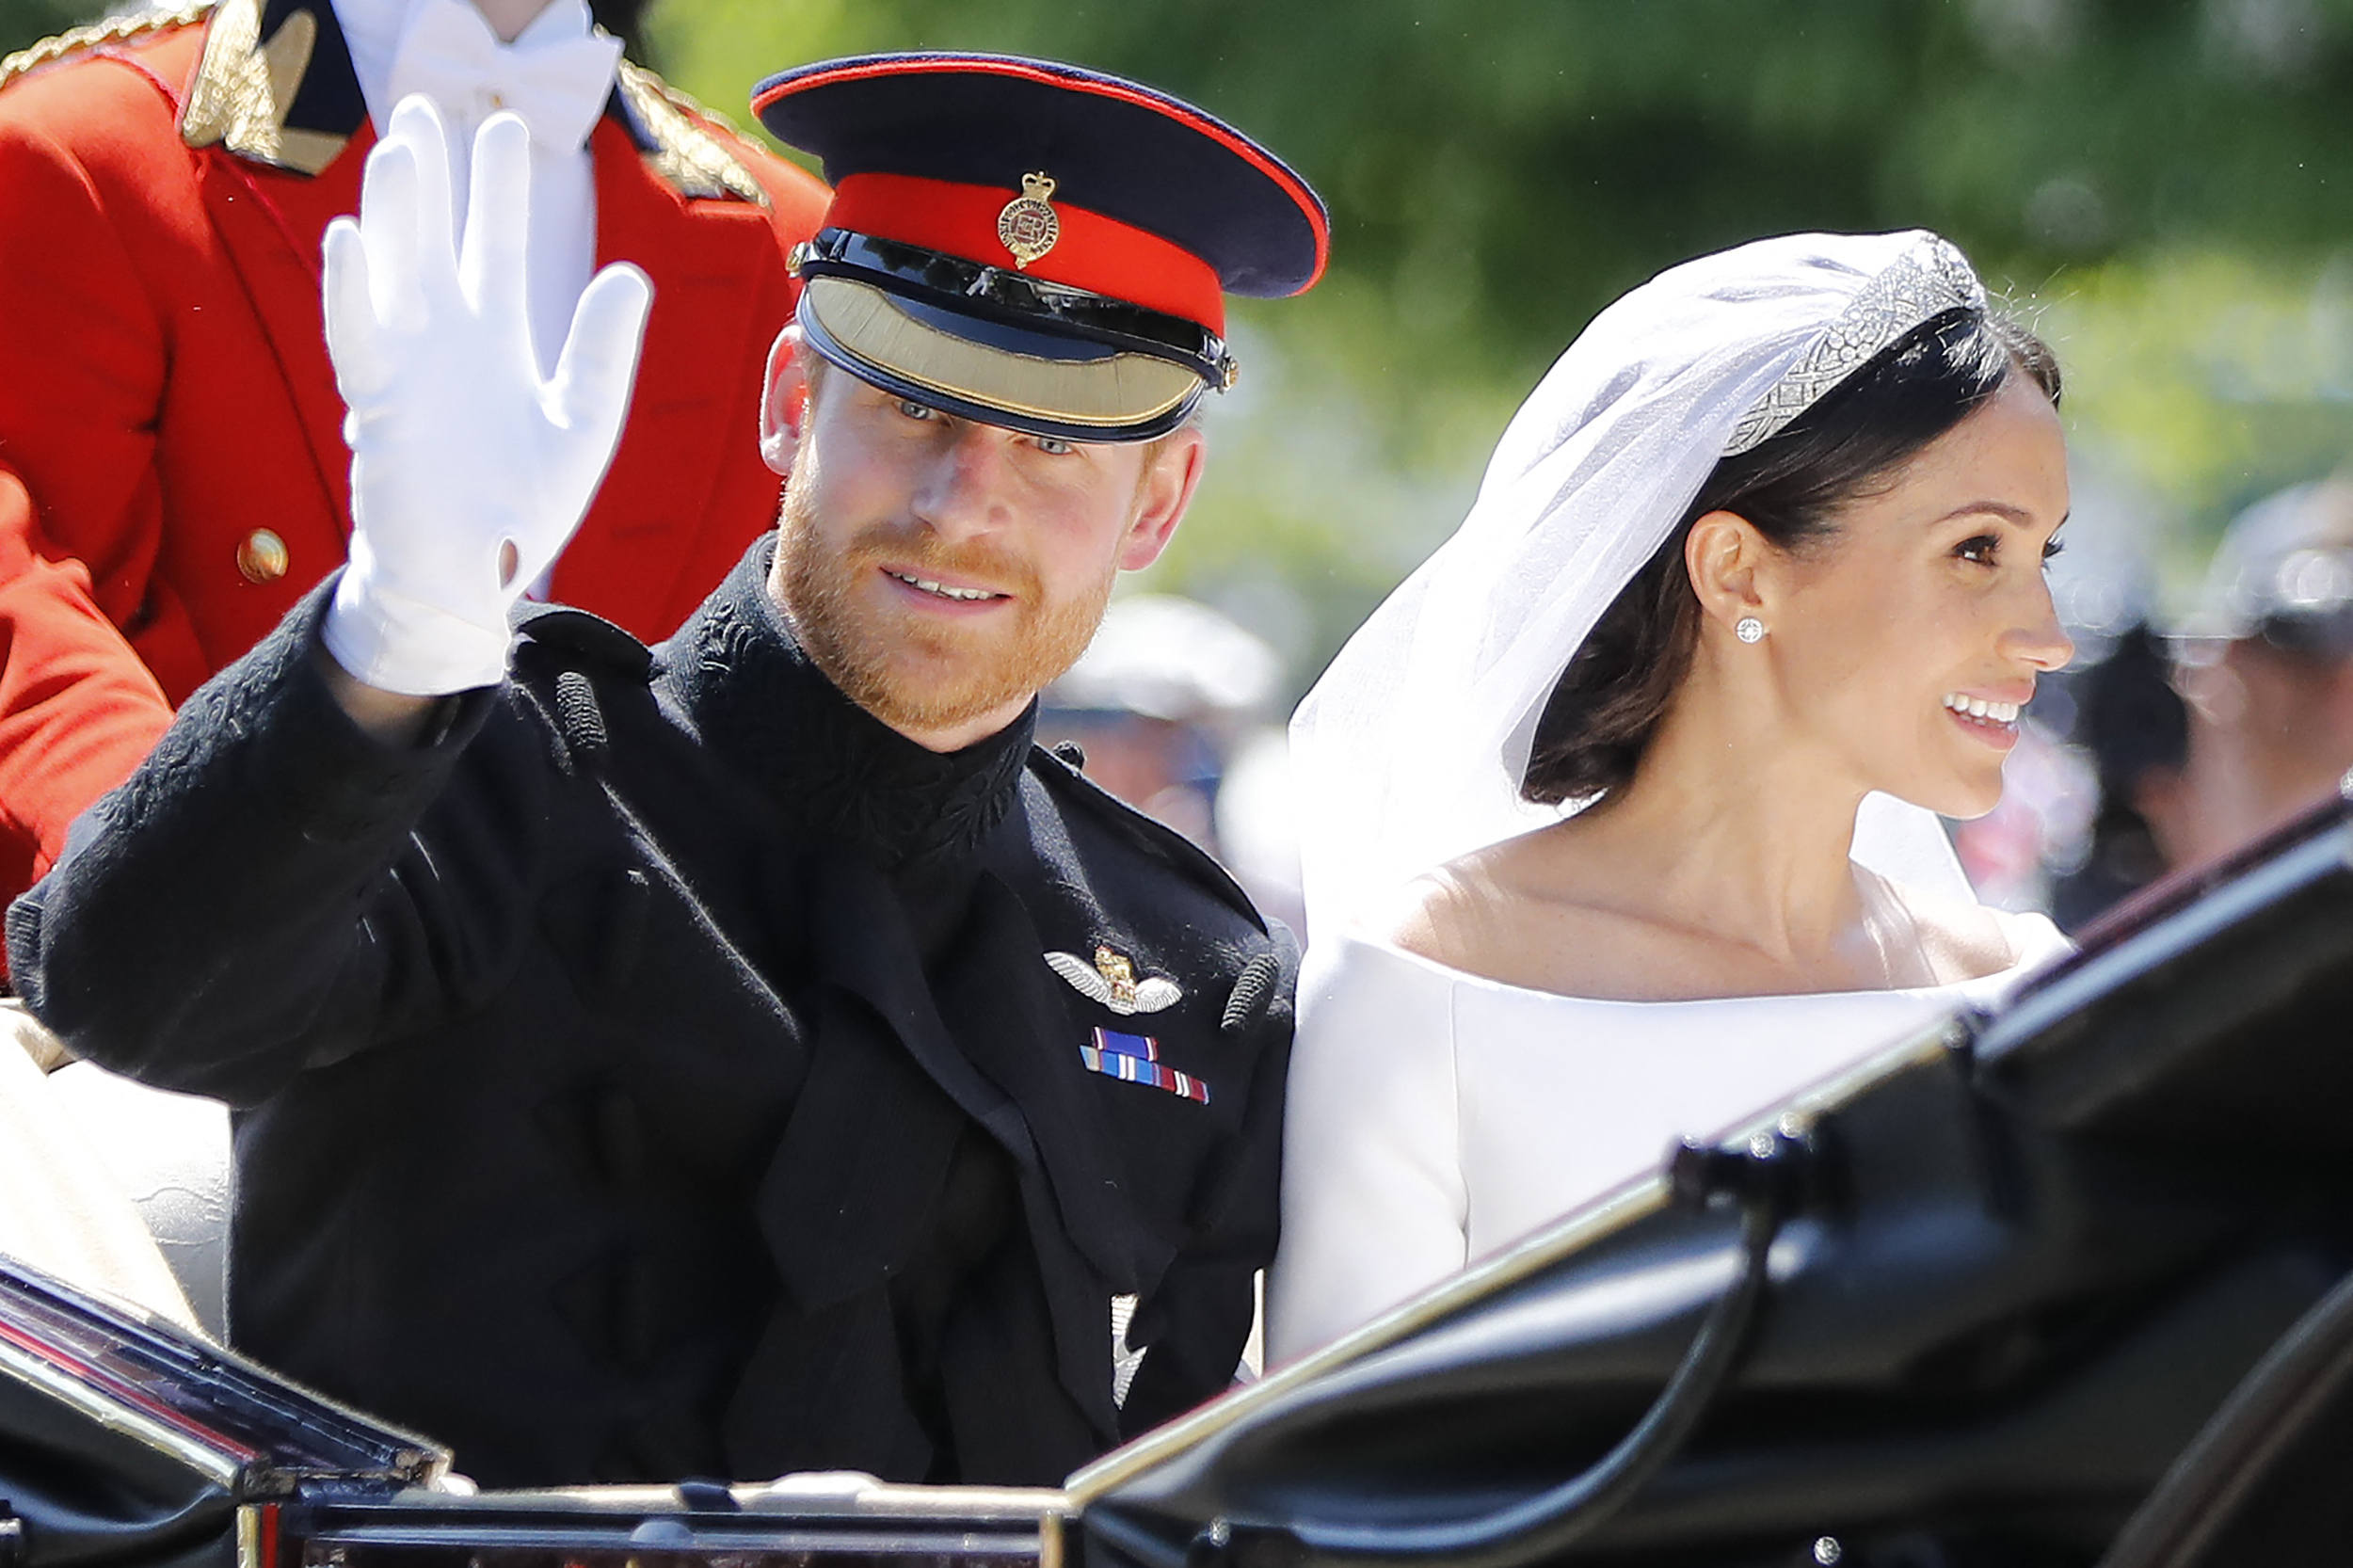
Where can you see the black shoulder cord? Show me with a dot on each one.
(1766, 1177)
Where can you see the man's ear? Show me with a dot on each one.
(1172, 471)
(1724, 554)
(784, 401)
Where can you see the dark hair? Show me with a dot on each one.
(1608, 703)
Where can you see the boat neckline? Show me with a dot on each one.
(2018, 968)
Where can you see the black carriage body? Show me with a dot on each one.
(127, 1443)
(857, 1523)
(2071, 1283)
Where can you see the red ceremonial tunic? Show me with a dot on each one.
(172, 470)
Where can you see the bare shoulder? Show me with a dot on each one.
(1435, 915)
(1503, 913)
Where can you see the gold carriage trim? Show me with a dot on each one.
(114, 29)
(694, 162)
(243, 89)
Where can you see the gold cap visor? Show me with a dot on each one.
(1110, 395)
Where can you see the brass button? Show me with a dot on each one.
(262, 556)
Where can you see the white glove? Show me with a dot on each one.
(467, 471)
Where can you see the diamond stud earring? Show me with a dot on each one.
(1749, 629)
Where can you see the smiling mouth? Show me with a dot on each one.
(1994, 718)
(941, 590)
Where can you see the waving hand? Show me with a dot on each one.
(468, 471)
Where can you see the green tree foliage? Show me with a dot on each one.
(2163, 184)
(1500, 168)
(27, 22)
(2166, 184)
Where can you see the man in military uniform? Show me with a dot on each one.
(172, 476)
(748, 1054)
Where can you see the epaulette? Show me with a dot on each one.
(580, 640)
(561, 655)
(245, 88)
(693, 160)
(98, 35)
(1157, 839)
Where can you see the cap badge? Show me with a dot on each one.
(1027, 224)
(1111, 982)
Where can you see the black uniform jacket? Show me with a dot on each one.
(669, 1069)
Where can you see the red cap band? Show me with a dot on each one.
(1094, 252)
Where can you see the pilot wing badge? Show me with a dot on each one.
(1110, 981)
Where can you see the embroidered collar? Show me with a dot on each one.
(755, 699)
(276, 84)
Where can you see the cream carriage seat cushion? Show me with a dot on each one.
(109, 1185)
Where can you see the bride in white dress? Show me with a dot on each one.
(1625, 804)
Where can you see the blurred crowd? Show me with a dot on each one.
(1179, 711)
(2179, 736)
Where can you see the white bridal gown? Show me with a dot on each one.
(1434, 1117)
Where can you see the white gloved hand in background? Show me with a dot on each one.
(469, 472)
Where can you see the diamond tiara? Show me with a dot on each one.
(1925, 281)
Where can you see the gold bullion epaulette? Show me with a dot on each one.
(694, 161)
(113, 29)
(245, 86)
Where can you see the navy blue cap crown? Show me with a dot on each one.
(1033, 243)
(1114, 147)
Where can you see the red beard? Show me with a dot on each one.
(918, 675)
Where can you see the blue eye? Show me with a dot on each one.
(913, 410)
(1054, 446)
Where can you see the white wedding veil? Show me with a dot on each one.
(1410, 750)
